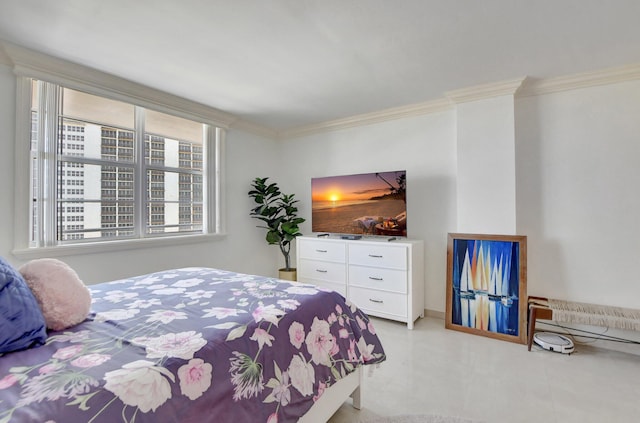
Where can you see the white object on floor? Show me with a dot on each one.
(554, 342)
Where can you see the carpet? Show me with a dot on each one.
(423, 418)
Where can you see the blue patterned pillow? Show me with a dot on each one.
(21, 322)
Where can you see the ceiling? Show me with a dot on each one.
(287, 64)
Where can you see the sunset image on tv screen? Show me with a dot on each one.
(368, 204)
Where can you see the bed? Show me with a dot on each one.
(195, 345)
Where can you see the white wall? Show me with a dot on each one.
(424, 146)
(243, 249)
(486, 182)
(577, 173)
(7, 125)
(577, 178)
(578, 181)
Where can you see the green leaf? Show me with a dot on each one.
(236, 333)
(277, 371)
(81, 401)
(227, 325)
(273, 237)
(269, 398)
(278, 212)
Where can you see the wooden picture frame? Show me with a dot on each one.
(487, 285)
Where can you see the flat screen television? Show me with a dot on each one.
(364, 204)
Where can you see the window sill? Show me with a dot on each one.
(109, 246)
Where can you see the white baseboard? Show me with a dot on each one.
(434, 313)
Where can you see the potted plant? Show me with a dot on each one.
(279, 213)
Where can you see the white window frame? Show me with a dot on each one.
(30, 65)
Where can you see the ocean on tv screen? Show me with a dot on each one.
(364, 204)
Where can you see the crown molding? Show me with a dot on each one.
(411, 110)
(519, 87)
(581, 80)
(42, 66)
(481, 92)
(31, 63)
(4, 58)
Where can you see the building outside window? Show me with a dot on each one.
(104, 169)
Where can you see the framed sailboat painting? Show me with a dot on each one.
(487, 285)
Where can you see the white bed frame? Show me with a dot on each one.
(334, 397)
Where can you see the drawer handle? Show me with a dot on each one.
(376, 301)
(321, 270)
(375, 256)
(375, 279)
(321, 251)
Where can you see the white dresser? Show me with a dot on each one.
(384, 278)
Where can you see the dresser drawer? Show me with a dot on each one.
(386, 304)
(385, 279)
(383, 255)
(322, 250)
(322, 270)
(379, 278)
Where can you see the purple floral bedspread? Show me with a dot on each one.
(191, 345)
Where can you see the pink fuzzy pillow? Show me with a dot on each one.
(63, 298)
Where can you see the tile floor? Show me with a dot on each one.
(431, 370)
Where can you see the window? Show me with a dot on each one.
(104, 169)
